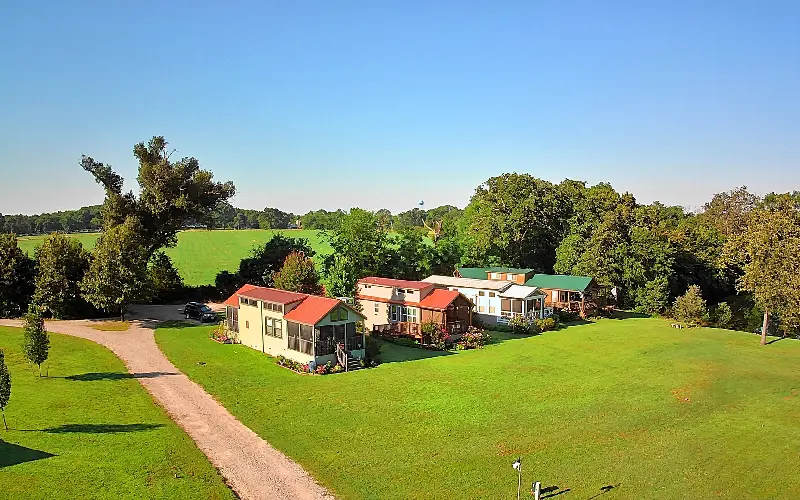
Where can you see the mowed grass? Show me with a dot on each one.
(111, 326)
(200, 255)
(623, 409)
(91, 431)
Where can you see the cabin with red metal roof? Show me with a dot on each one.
(400, 307)
(305, 328)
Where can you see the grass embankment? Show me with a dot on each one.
(201, 254)
(632, 408)
(91, 431)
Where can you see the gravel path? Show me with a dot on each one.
(252, 468)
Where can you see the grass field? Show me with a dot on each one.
(91, 431)
(622, 409)
(200, 255)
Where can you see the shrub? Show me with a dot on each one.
(474, 338)
(522, 326)
(690, 308)
(499, 327)
(564, 316)
(437, 337)
(723, 315)
(372, 351)
(546, 324)
(221, 334)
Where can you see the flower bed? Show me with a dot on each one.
(474, 338)
(222, 335)
(305, 368)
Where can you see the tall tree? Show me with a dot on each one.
(172, 193)
(61, 264)
(360, 239)
(117, 275)
(340, 277)
(729, 211)
(517, 220)
(164, 279)
(264, 261)
(35, 341)
(16, 277)
(410, 259)
(768, 249)
(298, 275)
(5, 386)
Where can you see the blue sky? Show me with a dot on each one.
(332, 104)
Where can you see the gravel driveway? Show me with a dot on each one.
(252, 468)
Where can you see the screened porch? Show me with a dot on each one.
(322, 340)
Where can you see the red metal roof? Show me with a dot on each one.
(313, 309)
(439, 299)
(273, 295)
(233, 300)
(417, 285)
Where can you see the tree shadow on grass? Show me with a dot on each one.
(173, 323)
(93, 376)
(552, 491)
(13, 454)
(604, 490)
(619, 314)
(100, 428)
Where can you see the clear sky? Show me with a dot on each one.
(330, 104)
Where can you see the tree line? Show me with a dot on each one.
(740, 250)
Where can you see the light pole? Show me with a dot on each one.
(518, 466)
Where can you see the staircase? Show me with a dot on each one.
(353, 364)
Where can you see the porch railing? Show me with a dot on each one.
(400, 328)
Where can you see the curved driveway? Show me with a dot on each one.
(252, 468)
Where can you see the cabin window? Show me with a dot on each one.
(516, 306)
(494, 276)
(481, 294)
(410, 314)
(511, 277)
(505, 305)
(492, 309)
(395, 312)
(400, 291)
(481, 308)
(454, 289)
(247, 324)
(274, 327)
(491, 294)
(339, 314)
(563, 296)
(377, 308)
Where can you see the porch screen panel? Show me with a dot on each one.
(353, 338)
(293, 335)
(325, 344)
(505, 305)
(338, 333)
(516, 306)
(307, 339)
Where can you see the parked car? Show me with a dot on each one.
(198, 311)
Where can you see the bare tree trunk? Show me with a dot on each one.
(764, 328)
(40, 370)
(122, 313)
(4, 419)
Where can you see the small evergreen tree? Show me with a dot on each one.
(298, 275)
(163, 277)
(36, 342)
(5, 387)
(690, 308)
(723, 315)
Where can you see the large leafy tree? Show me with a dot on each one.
(172, 193)
(767, 250)
(264, 261)
(340, 277)
(363, 242)
(17, 273)
(728, 212)
(117, 275)
(298, 275)
(164, 280)
(516, 220)
(61, 264)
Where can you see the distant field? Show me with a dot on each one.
(90, 430)
(200, 254)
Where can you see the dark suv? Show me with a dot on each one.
(198, 311)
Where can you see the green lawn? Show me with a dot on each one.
(619, 409)
(200, 254)
(91, 431)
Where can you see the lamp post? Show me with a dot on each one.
(518, 466)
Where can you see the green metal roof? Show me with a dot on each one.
(480, 272)
(560, 282)
(476, 273)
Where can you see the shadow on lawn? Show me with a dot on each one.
(13, 454)
(394, 353)
(553, 491)
(100, 428)
(90, 377)
(618, 314)
(604, 490)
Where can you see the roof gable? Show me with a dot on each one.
(439, 299)
(314, 308)
(560, 282)
(233, 300)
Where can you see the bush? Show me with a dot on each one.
(522, 326)
(372, 351)
(474, 338)
(546, 324)
(436, 336)
(499, 327)
(723, 315)
(221, 334)
(690, 308)
(564, 316)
